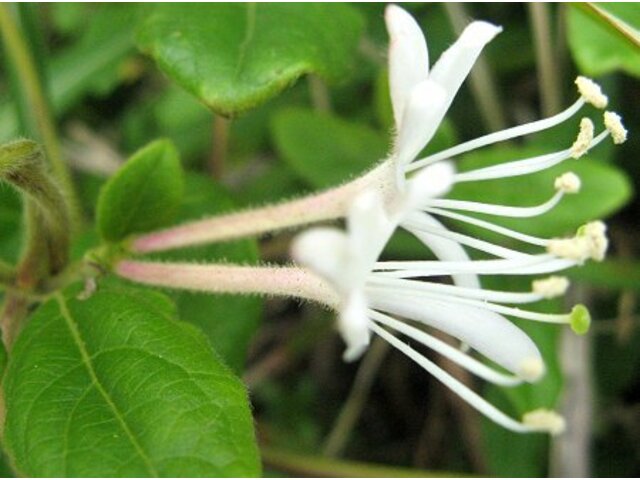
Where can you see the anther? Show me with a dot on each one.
(591, 92)
(551, 287)
(544, 420)
(584, 139)
(568, 183)
(613, 123)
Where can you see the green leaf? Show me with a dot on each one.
(605, 189)
(326, 150)
(143, 195)
(116, 386)
(233, 57)
(230, 321)
(596, 48)
(612, 273)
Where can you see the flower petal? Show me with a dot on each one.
(325, 251)
(353, 324)
(454, 65)
(431, 182)
(487, 332)
(445, 249)
(408, 57)
(423, 112)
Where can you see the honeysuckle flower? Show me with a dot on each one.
(384, 297)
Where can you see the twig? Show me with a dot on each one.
(482, 82)
(319, 94)
(547, 70)
(218, 159)
(352, 408)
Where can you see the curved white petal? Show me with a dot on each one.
(433, 181)
(408, 57)
(423, 112)
(353, 324)
(454, 65)
(487, 332)
(326, 252)
(445, 249)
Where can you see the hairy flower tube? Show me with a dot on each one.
(343, 268)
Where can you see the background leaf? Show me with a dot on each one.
(143, 195)
(115, 386)
(235, 56)
(596, 49)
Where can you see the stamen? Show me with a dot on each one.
(614, 125)
(472, 242)
(585, 137)
(535, 264)
(377, 282)
(591, 92)
(543, 420)
(532, 369)
(523, 167)
(590, 242)
(567, 183)
(551, 287)
(542, 242)
(464, 392)
(500, 136)
(497, 210)
(466, 361)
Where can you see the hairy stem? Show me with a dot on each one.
(328, 205)
(276, 281)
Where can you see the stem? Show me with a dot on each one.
(482, 82)
(319, 94)
(328, 205)
(277, 281)
(18, 50)
(547, 71)
(218, 158)
(315, 466)
(352, 408)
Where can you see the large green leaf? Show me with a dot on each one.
(115, 386)
(144, 194)
(228, 320)
(235, 56)
(605, 189)
(596, 49)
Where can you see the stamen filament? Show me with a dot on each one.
(375, 281)
(455, 355)
(464, 392)
(478, 244)
(498, 210)
(542, 242)
(523, 167)
(535, 264)
(500, 136)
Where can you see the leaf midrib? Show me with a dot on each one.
(86, 360)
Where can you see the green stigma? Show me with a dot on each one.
(580, 319)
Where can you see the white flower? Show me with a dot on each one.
(374, 295)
